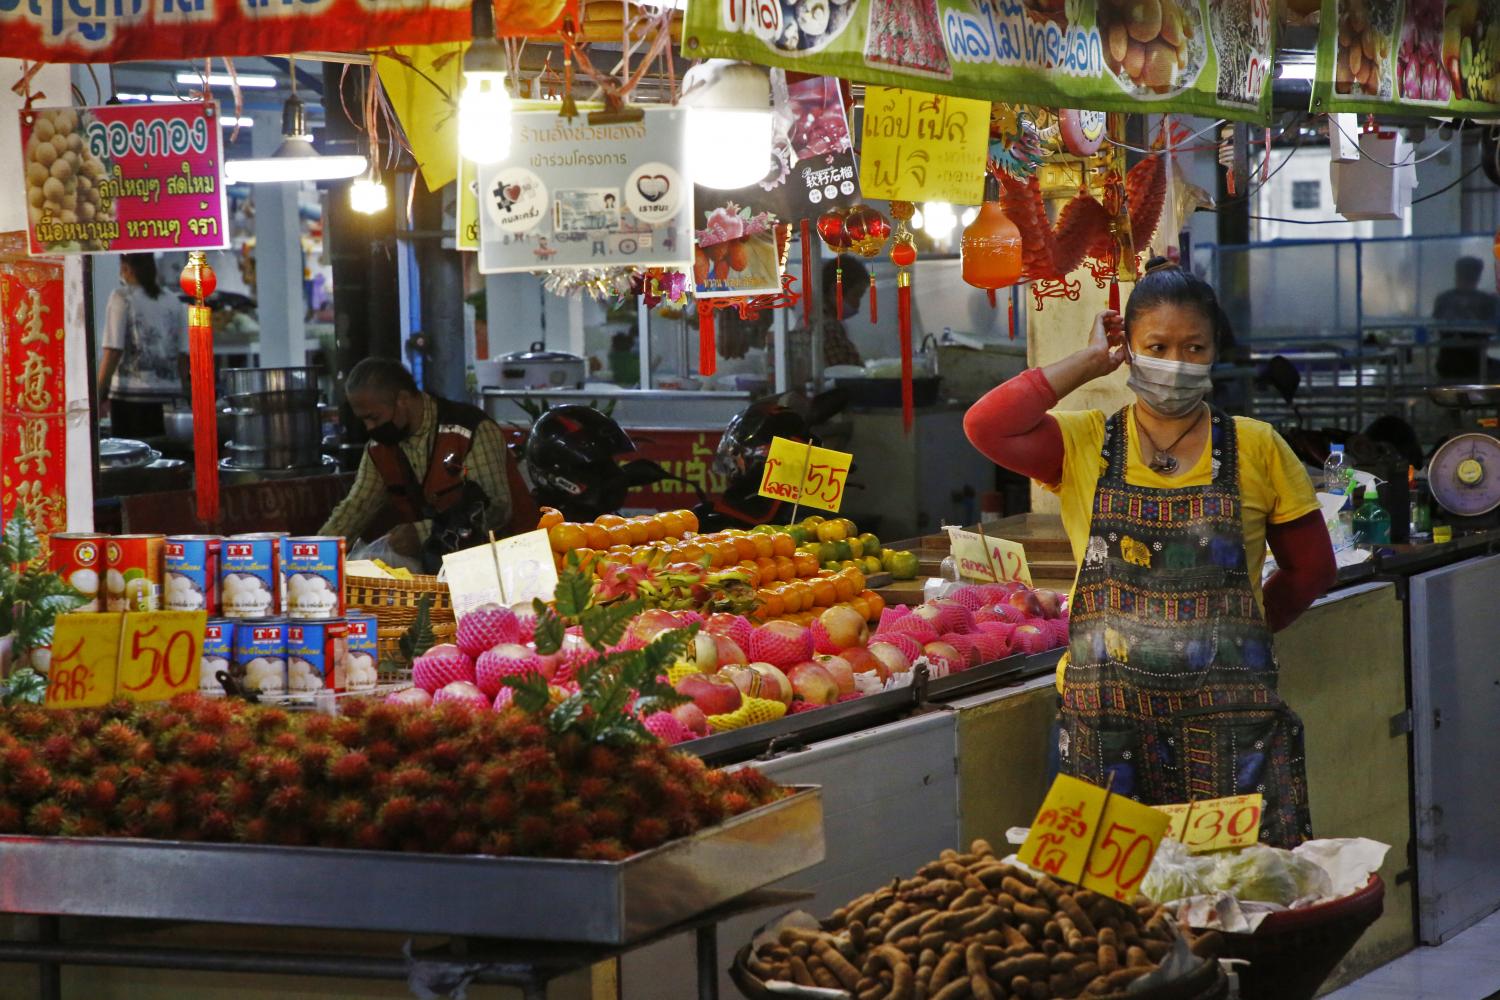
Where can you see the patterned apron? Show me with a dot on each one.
(1171, 685)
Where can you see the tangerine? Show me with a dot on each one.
(771, 604)
(620, 534)
(783, 544)
(768, 570)
(806, 595)
(567, 536)
(765, 548)
(793, 599)
(845, 587)
(785, 568)
(876, 602)
(656, 528)
(639, 533)
(598, 537)
(861, 605)
(729, 553)
(609, 520)
(691, 552)
(673, 523)
(550, 516)
(689, 520)
(825, 593)
(751, 571)
(807, 563)
(745, 547)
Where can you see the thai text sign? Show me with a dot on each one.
(512, 571)
(144, 656)
(1084, 835)
(810, 476)
(124, 178)
(1216, 824)
(1200, 56)
(104, 31)
(33, 425)
(987, 559)
(923, 147)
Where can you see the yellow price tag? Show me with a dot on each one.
(1129, 834)
(1064, 828)
(988, 559)
(85, 649)
(923, 147)
(160, 655)
(800, 474)
(1216, 824)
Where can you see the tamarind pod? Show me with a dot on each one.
(840, 915)
(800, 974)
(1052, 931)
(1157, 950)
(1060, 984)
(1136, 956)
(1063, 961)
(909, 944)
(880, 991)
(1039, 991)
(839, 966)
(1084, 972)
(776, 951)
(992, 875)
(1014, 937)
(867, 908)
(989, 917)
(821, 975)
(1109, 959)
(991, 939)
(1022, 892)
(857, 935)
(1075, 913)
(912, 884)
(946, 967)
(903, 982)
(993, 952)
(1027, 965)
(1109, 937)
(947, 854)
(1160, 927)
(897, 910)
(981, 848)
(933, 940)
(927, 959)
(934, 889)
(1020, 950)
(911, 925)
(973, 896)
(1051, 947)
(865, 982)
(1031, 914)
(1006, 900)
(956, 990)
(1050, 889)
(801, 949)
(758, 966)
(791, 935)
(1020, 985)
(979, 980)
(1121, 978)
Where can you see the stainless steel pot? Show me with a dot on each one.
(125, 453)
(178, 425)
(274, 418)
(539, 368)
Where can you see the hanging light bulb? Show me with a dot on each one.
(939, 221)
(295, 159)
(368, 196)
(484, 107)
(730, 125)
(968, 217)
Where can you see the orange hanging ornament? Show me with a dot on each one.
(198, 281)
(992, 245)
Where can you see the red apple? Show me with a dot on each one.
(729, 651)
(653, 622)
(1029, 639)
(715, 695)
(549, 663)
(410, 696)
(895, 661)
(942, 652)
(846, 627)
(840, 670)
(774, 685)
(862, 661)
(692, 718)
(1050, 602)
(813, 684)
(1026, 602)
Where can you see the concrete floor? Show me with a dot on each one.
(1464, 968)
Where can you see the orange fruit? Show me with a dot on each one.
(783, 545)
(861, 605)
(795, 599)
(785, 568)
(808, 596)
(857, 576)
(768, 570)
(806, 562)
(550, 516)
(745, 547)
(620, 534)
(598, 537)
(845, 587)
(689, 520)
(771, 604)
(764, 547)
(586, 557)
(619, 550)
(609, 520)
(692, 552)
(567, 536)
(639, 533)
(876, 602)
(656, 527)
(825, 594)
(751, 571)
(671, 524)
(729, 553)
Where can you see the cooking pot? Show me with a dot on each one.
(125, 453)
(539, 368)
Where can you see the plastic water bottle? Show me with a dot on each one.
(1335, 471)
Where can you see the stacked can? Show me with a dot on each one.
(313, 570)
(314, 651)
(251, 576)
(361, 655)
(78, 557)
(132, 575)
(191, 574)
(218, 654)
(259, 662)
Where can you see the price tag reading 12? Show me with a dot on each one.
(1216, 824)
(85, 647)
(813, 477)
(160, 654)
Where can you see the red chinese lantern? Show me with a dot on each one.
(835, 236)
(868, 233)
(199, 282)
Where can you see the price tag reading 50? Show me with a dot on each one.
(160, 654)
(1086, 836)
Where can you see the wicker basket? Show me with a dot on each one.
(394, 602)
(1293, 951)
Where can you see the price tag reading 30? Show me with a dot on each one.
(1216, 824)
(812, 477)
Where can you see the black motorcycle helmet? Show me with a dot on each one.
(747, 441)
(571, 457)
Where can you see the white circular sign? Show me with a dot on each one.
(516, 200)
(654, 192)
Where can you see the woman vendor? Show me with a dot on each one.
(1169, 683)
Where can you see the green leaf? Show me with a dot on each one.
(649, 704)
(605, 626)
(663, 651)
(574, 592)
(625, 729)
(532, 693)
(549, 629)
(419, 638)
(566, 715)
(25, 686)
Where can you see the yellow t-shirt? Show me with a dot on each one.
(1274, 487)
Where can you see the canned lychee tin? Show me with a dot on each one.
(314, 651)
(218, 652)
(313, 568)
(190, 579)
(361, 655)
(132, 576)
(259, 662)
(78, 557)
(250, 584)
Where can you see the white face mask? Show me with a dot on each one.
(1171, 388)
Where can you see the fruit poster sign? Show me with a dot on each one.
(124, 178)
(33, 399)
(572, 194)
(1393, 55)
(1208, 57)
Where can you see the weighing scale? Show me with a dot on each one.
(1464, 473)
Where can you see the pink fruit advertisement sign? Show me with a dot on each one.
(124, 178)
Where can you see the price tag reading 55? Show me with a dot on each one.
(799, 474)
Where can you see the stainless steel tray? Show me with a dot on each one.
(540, 899)
(1460, 396)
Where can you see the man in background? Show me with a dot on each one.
(1469, 318)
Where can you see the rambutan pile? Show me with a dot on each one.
(379, 777)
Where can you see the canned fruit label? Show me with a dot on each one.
(190, 579)
(314, 651)
(361, 657)
(132, 581)
(79, 560)
(251, 582)
(314, 572)
(259, 663)
(218, 651)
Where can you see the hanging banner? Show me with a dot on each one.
(33, 401)
(571, 194)
(124, 178)
(1207, 57)
(923, 147)
(1435, 56)
(814, 155)
(103, 32)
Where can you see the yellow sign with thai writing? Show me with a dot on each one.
(85, 654)
(988, 559)
(810, 476)
(1216, 824)
(1084, 835)
(923, 147)
(512, 571)
(161, 653)
(1129, 834)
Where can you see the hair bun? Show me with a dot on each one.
(1159, 264)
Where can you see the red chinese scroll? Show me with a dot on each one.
(33, 403)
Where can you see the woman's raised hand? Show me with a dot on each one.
(1107, 342)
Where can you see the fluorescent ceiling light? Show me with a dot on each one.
(155, 98)
(1298, 70)
(295, 159)
(230, 121)
(252, 80)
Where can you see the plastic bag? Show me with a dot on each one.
(1175, 874)
(1267, 875)
(382, 549)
